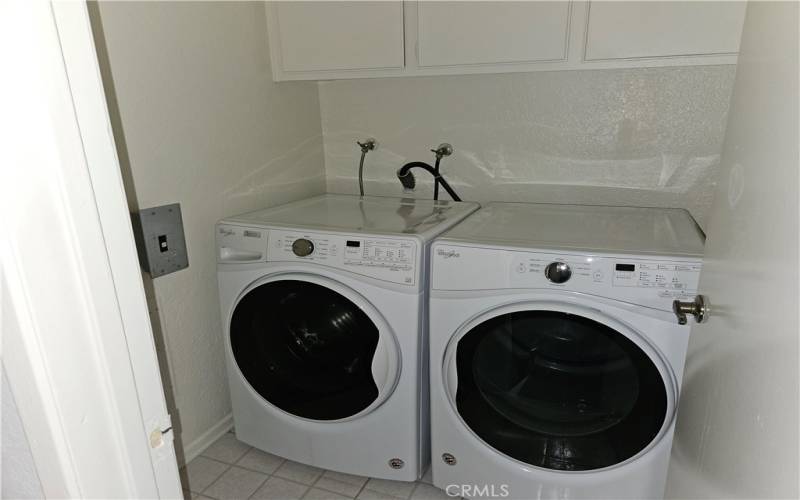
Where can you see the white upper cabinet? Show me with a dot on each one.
(335, 39)
(456, 33)
(624, 30)
(335, 36)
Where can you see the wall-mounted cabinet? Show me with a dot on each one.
(334, 40)
(467, 33)
(639, 30)
(321, 37)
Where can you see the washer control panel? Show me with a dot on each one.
(386, 259)
(658, 275)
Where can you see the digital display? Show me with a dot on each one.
(353, 243)
(626, 267)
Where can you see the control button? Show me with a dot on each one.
(521, 267)
(557, 272)
(598, 275)
(302, 247)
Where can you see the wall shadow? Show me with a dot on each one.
(133, 206)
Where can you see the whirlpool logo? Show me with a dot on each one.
(447, 254)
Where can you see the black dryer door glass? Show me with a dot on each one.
(558, 391)
(306, 349)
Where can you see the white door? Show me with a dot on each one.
(78, 350)
(737, 434)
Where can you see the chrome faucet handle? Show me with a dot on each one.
(699, 308)
(369, 144)
(444, 149)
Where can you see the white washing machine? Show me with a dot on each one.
(556, 359)
(323, 308)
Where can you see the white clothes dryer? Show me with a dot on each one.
(325, 328)
(556, 359)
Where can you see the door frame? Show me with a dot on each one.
(78, 346)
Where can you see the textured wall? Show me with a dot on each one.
(646, 137)
(199, 121)
(20, 479)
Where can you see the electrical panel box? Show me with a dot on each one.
(160, 240)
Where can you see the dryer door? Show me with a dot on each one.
(557, 390)
(313, 348)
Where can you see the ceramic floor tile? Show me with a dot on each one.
(280, 489)
(298, 472)
(236, 484)
(318, 494)
(260, 461)
(428, 476)
(399, 489)
(347, 489)
(201, 472)
(376, 495)
(226, 449)
(427, 492)
(346, 478)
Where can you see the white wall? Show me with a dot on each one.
(737, 428)
(19, 476)
(199, 121)
(646, 137)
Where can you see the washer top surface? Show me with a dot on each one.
(626, 230)
(370, 214)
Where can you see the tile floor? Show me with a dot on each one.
(232, 470)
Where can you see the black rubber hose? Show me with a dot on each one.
(403, 171)
(436, 180)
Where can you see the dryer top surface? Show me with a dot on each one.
(368, 215)
(621, 230)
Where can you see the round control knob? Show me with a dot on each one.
(302, 247)
(557, 272)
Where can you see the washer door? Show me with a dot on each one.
(556, 390)
(313, 348)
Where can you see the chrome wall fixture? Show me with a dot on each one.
(444, 149)
(699, 308)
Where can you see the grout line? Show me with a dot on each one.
(260, 485)
(310, 487)
(337, 481)
(414, 489)
(363, 486)
(203, 492)
(259, 471)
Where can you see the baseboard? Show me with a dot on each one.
(196, 447)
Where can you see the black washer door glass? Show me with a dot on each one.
(306, 349)
(558, 391)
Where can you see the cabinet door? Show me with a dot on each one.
(327, 36)
(624, 30)
(462, 33)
